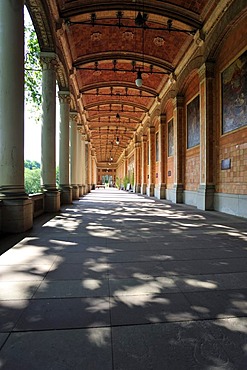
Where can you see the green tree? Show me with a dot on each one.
(33, 72)
(32, 181)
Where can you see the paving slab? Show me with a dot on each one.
(23, 272)
(18, 289)
(142, 285)
(176, 346)
(220, 304)
(122, 277)
(10, 312)
(150, 308)
(87, 349)
(66, 313)
(78, 271)
(73, 288)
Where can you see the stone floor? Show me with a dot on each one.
(120, 281)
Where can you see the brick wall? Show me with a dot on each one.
(192, 155)
(232, 145)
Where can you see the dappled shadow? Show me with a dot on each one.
(133, 264)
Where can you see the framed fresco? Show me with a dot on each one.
(170, 138)
(234, 95)
(193, 123)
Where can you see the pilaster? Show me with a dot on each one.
(144, 164)
(151, 174)
(178, 170)
(205, 195)
(137, 166)
(161, 189)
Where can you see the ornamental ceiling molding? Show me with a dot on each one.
(41, 24)
(172, 11)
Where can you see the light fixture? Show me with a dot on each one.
(139, 79)
(117, 140)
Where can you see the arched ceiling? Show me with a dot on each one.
(105, 44)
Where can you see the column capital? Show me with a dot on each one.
(64, 97)
(49, 61)
(73, 116)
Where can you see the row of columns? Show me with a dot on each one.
(16, 208)
(146, 168)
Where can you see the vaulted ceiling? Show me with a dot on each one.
(104, 44)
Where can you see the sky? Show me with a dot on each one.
(32, 128)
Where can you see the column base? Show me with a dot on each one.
(144, 189)
(66, 194)
(75, 192)
(205, 197)
(137, 188)
(16, 215)
(80, 191)
(150, 190)
(52, 201)
(178, 193)
(160, 191)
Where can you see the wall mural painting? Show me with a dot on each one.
(234, 95)
(193, 122)
(170, 138)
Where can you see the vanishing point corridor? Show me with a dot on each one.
(123, 281)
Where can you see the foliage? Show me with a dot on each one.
(32, 165)
(32, 181)
(118, 182)
(57, 176)
(126, 181)
(33, 72)
(132, 179)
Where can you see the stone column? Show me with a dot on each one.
(87, 190)
(161, 189)
(144, 164)
(93, 170)
(151, 175)
(178, 123)
(89, 168)
(205, 194)
(79, 162)
(64, 172)
(137, 166)
(83, 164)
(48, 132)
(16, 211)
(73, 155)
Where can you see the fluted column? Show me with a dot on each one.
(161, 189)
(48, 132)
(16, 211)
(178, 149)
(144, 164)
(151, 174)
(205, 194)
(73, 154)
(64, 172)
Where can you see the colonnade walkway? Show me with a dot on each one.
(122, 281)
